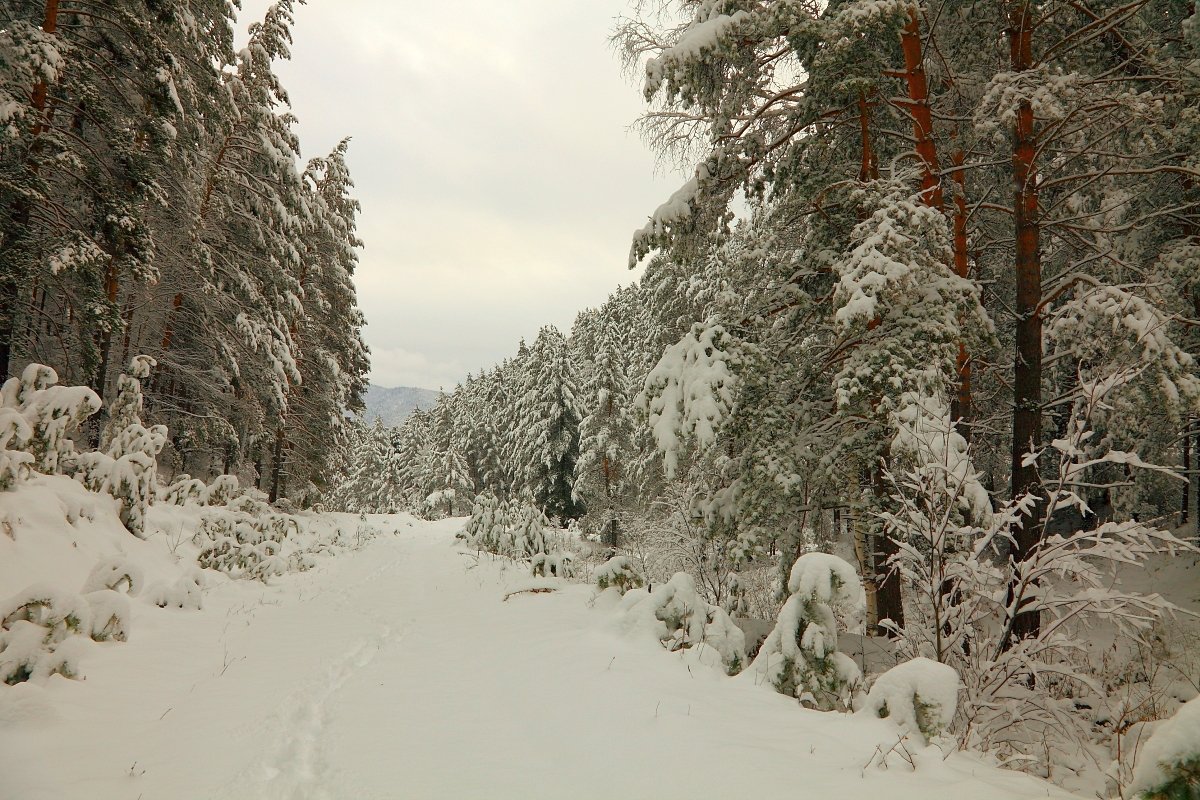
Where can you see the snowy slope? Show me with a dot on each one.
(393, 405)
(399, 671)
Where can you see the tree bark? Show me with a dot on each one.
(886, 583)
(889, 603)
(1027, 369)
(962, 407)
(276, 467)
(1186, 444)
(869, 163)
(40, 89)
(918, 109)
(111, 290)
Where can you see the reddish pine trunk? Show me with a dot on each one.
(869, 165)
(918, 108)
(931, 187)
(169, 330)
(1027, 370)
(40, 89)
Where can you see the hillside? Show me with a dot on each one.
(393, 405)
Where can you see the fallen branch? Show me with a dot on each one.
(534, 590)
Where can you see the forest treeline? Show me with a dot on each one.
(987, 210)
(153, 202)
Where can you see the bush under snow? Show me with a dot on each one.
(617, 573)
(920, 696)
(42, 630)
(1169, 765)
(800, 656)
(680, 618)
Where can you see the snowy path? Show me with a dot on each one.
(399, 672)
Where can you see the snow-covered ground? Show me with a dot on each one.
(400, 671)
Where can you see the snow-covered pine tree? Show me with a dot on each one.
(605, 433)
(453, 485)
(52, 417)
(800, 656)
(85, 168)
(546, 429)
(333, 361)
(528, 526)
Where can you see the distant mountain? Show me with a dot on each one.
(394, 405)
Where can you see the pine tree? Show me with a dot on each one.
(546, 434)
(605, 434)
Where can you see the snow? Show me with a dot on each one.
(701, 36)
(399, 671)
(1174, 742)
(919, 696)
(828, 579)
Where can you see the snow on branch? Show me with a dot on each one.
(691, 390)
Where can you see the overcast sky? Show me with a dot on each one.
(499, 181)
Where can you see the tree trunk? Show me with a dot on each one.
(919, 109)
(961, 409)
(276, 466)
(169, 328)
(111, 290)
(1186, 446)
(889, 604)
(1027, 369)
(885, 583)
(868, 169)
(40, 89)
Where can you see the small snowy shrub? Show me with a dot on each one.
(920, 696)
(617, 573)
(735, 602)
(187, 592)
(221, 491)
(183, 490)
(1168, 767)
(52, 414)
(34, 624)
(479, 528)
(489, 527)
(126, 466)
(552, 565)
(16, 431)
(800, 656)
(116, 574)
(110, 615)
(680, 618)
(242, 545)
(529, 530)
